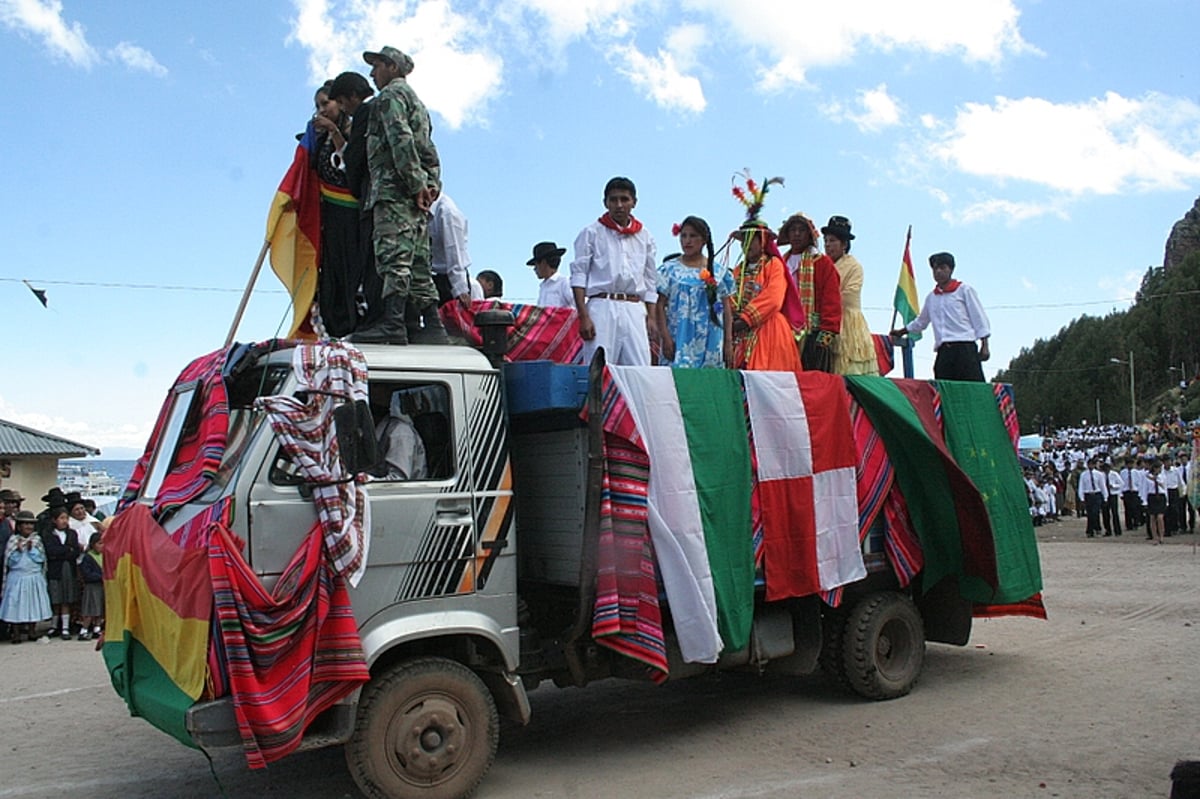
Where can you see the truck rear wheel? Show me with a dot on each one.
(884, 646)
(426, 729)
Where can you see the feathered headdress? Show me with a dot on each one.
(752, 196)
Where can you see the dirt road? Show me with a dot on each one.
(1099, 701)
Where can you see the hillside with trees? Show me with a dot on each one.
(1083, 372)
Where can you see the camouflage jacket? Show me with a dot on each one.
(401, 155)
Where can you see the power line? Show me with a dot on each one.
(136, 286)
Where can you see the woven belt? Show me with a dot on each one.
(604, 295)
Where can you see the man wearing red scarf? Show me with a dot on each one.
(958, 321)
(613, 277)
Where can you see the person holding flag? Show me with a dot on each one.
(958, 319)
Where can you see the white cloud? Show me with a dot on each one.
(101, 437)
(137, 58)
(1010, 210)
(661, 77)
(44, 19)
(1100, 146)
(568, 20)
(879, 110)
(456, 73)
(798, 36)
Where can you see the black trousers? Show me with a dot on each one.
(958, 360)
(1171, 521)
(1093, 503)
(1133, 509)
(1112, 519)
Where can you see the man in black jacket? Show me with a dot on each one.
(353, 93)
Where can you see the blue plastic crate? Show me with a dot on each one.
(544, 386)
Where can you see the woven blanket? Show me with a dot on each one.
(537, 334)
(292, 652)
(199, 452)
(328, 374)
(626, 618)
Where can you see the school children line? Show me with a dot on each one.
(52, 568)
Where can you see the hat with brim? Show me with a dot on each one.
(25, 516)
(838, 226)
(544, 250)
(55, 496)
(9, 495)
(389, 53)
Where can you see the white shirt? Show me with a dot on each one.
(1115, 484)
(608, 262)
(1091, 482)
(448, 240)
(555, 292)
(1153, 485)
(956, 316)
(476, 290)
(1170, 478)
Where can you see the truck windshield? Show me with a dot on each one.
(183, 403)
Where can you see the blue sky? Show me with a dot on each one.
(1050, 146)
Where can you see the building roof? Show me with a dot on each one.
(17, 439)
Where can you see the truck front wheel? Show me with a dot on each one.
(884, 646)
(426, 729)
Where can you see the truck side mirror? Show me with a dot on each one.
(355, 430)
(493, 327)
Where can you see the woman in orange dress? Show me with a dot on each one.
(762, 334)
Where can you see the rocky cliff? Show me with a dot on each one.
(1184, 239)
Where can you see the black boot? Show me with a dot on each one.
(432, 332)
(390, 327)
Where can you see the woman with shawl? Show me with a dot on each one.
(762, 334)
(855, 351)
(25, 601)
(341, 262)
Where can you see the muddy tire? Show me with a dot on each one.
(426, 729)
(832, 658)
(884, 646)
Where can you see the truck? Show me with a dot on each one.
(481, 577)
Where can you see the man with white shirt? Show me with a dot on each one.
(958, 320)
(449, 259)
(1129, 494)
(1093, 490)
(614, 277)
(555, 289)
(1172, 481)
(1111, 516)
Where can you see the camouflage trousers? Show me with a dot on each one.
(402, 255)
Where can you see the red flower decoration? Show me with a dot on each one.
(675, 228)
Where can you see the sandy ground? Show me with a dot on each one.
(1098, 701)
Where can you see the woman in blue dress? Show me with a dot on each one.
(25, 601)
(693, 302)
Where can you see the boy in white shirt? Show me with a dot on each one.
(555, 290)
(613, 278)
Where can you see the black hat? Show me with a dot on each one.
(73, 497)
(939, 258)
(838, 226)
(55, 496)
(544, 250)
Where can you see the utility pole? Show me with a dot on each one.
(1132, 399)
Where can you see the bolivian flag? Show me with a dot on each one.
(158, 603)
(906, 303)
(294, 233)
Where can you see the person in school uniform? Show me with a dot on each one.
(1093, 491)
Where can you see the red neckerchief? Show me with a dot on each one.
(951, 286)
(634, 225)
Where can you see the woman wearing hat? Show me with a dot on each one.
(25, 601)
(855, 350)
(820, 289)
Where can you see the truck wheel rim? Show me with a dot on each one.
(893, 649)
(428, 740)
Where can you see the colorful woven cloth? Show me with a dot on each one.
(1007, 403)
(627, 617)
(158, 602)
(199, 452)
(327, 374)
(884, 352)
(537, 334)
(292, 652)
(947, 511)
(1032, 608)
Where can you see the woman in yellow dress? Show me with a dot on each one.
(855, 349)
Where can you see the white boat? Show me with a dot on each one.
(91, 483)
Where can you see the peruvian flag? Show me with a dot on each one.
(804, 444)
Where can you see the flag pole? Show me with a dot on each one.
(241, 309)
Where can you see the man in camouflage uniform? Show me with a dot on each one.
(405, 180)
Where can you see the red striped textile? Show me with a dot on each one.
(885, 355)
(537, 334)
(199, 454)
(291, 652)
(1007, 403)
(901, 542)
(1032, 608)
(627, 618)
